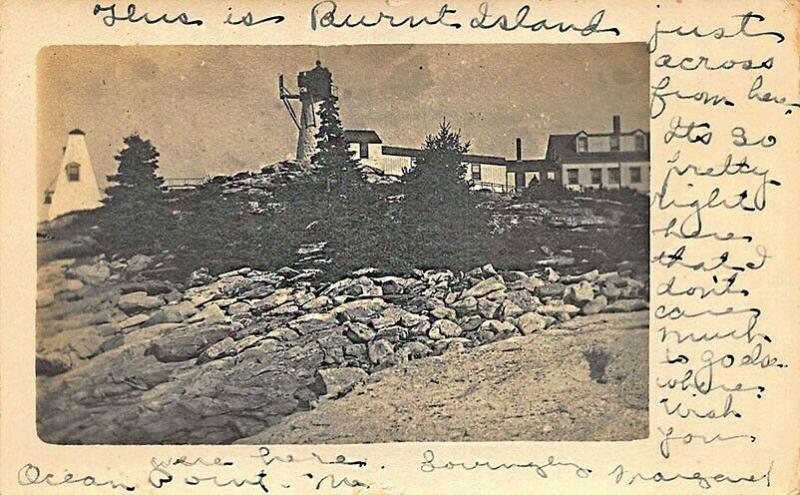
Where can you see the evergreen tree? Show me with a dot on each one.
(348, 208)
(135, 217)
(338, 166)
(441, 223)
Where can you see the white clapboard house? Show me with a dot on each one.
(608, 160)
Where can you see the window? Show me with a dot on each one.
(551, 176)
(73, 172)
(572, 177)
(48, 197)
(639, 142)
(615, 143)
(636, 175)
(363, 150)
(613, 176)
(476, 172)
(583, 144)
(597, 176)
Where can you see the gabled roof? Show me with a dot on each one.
(561, 148)
(366, 136)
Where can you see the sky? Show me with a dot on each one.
(215, 109)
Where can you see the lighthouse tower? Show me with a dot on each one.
(315, 87)
(75, 188)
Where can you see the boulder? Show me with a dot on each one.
(442, 313)
(225, 302)
(551, 275)
(92, 274)
(484, 336)
(152, 287)
(465, 306)
(135, 302)
(184, 344)
(317, 303)
(358, 287)
(210, 314)
(287, 272)
(612, 278)
(611, 291)
(532, 322)
(498, 327)
(579, 294)
(454, 344)
(393, 334)
(626, 306)
(595, 306)
(441, 329)
(380, 352)
(238, 308)
(224, 348)
(137, 263)
(414, 350)
(283, 334)
(72, 285)
(134, 321)
(358, 351)
(394, 285)
(199, 277)
(277, 298)
(488, 308)
(589, 276)
(527, 283)
(509, 310)
(488, 270)
(514, 276)
(174, 313)
(551, 289)
(362, 310)
(313, 322)
(286, 309)
(524, 299)
(336, 382)
(392, 315)
(557, 308)
(485, 287)
(358, 332)
(53, 363)
(470, 323)
(44, 298)
(421, 328)
(410, 320)
(247, 342)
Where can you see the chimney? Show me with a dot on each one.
(616, 125)
(519, 149)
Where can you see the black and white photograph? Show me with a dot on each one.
(342, 244)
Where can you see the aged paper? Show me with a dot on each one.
(610, 306)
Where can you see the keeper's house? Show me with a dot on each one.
(608, 160)
(483, 171)
(577, 161)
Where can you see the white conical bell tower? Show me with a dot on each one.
(75, 187)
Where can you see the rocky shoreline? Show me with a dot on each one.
(124, 358)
